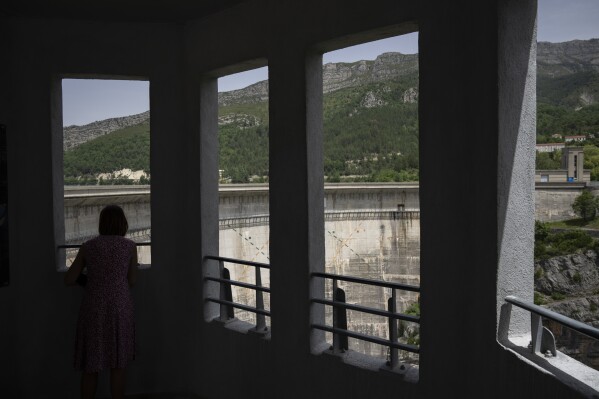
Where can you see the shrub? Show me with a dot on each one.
(557, 296)
(539, 298)
(413, 309)
(585, 205)
(539, 272)
(541, 231)
(567, 242)
(577, 278)
(541, 250)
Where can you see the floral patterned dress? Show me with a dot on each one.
(106, 326)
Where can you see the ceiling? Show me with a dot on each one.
(116, 10)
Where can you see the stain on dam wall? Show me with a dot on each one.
(372, 244)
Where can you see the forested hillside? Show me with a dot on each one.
(127, 148)
(370, 127)
(568, 99)
(567, 89)
(370, 121)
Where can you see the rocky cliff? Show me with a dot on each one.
(75, 135)
(569, 285)
(386, 66)
(554, 60)
(257, 92)
(336, 76)
(558, 59)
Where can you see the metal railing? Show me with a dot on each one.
(542, 338)
(76, 246)
(66, 247)
(225, 299)
(340, 307)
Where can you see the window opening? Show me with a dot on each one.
(372, 212)
(106, 159)
(244, 232)
(567, 149)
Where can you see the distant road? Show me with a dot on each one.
(101, 191)
(98, 191)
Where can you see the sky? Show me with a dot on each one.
(86, 100)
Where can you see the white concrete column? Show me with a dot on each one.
(517, 116)
(296, 198)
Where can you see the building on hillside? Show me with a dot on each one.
(550, 147)
(572, 169)
(561, 176)
(477, 82)
(569, 139)
(573, 163)
(556, 136)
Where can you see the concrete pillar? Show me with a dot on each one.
(517, 67)
(296, 201)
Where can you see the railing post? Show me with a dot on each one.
(336, 343)
(340, 342)
(536, 331)
(226, 311)
(391, 305)
(260, 318)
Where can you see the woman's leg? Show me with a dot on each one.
(117, 383)
(89, 382)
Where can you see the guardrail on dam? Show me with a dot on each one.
(82, 204)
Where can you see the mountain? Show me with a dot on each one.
(387, 66)
(370, 122)
(567, 58)
(370, 114)
(568, 73)
(335, 76)
(254, 93)
(75, 135)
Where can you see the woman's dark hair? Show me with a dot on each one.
(113, 221)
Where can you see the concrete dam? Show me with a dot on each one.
(372, 244)
(372, 230)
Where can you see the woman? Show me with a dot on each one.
(105, 329)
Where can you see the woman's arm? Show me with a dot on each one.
(70, 277)
(132, 273)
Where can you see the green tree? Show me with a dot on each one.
(541, 231)
(585, 205)
(548, 160)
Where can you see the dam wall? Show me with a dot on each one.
(553, 202)
(372, 230)
(82, 204)
(371, 244)
(340, 197)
